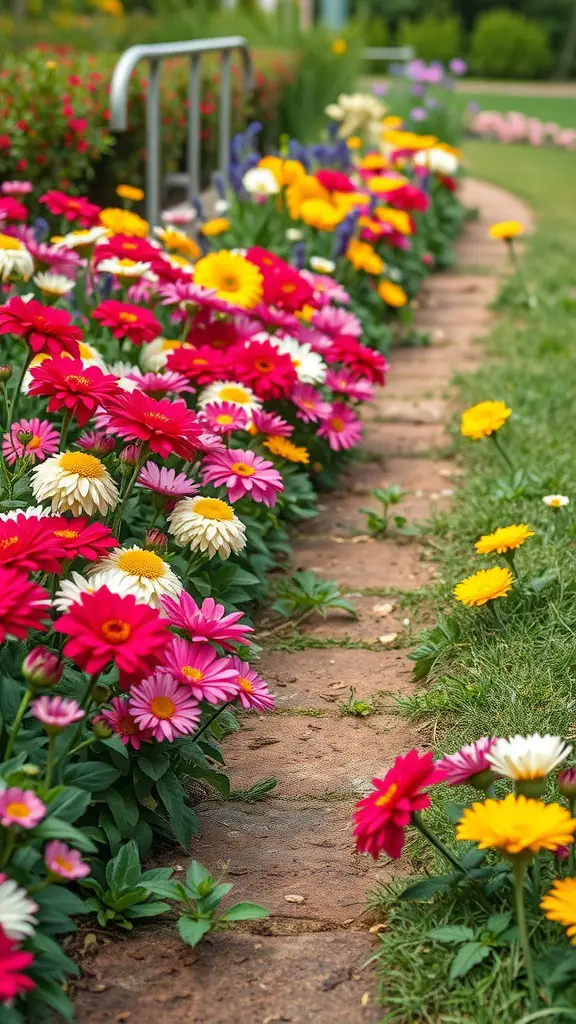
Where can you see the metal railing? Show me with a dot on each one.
(399, 53)
(156, 53)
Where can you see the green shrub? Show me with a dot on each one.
(432, 37)
(508, 45)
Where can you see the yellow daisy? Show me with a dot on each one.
(216, 226)
(363, 257)
(392, 294)
(130, 192)
(123, 222)
(559, 904)
(505, 538)
(485, 585)
(484, 419)
(506, 229)
(233, 278)
(517, 824)
(286, 449)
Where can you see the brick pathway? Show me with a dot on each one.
(293, 851)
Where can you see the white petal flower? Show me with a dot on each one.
(556, 500)
(221, 206)
(15, 260)
(527, 757)
(208, 525)
(82, 239)
(294, 235)
(70, 590)
(16, 910)
(34, 512)
(154, 356)
(148, 576)
(321, 265)
(438, 160)
(310, 367)
(259, 181)
(54, 284)
(229, 391)
(128, 269)
(75, 482)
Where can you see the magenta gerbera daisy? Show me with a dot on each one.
(44, 441)
(471, 760)
(165, 481)
(309, 403)
(198, 667)
(164, 706)
(270, 424)
(158, 385)
(253, 691)
(224, 417)
(208, 622)
(124, 724)
(341, 428)
(337, 322)
(358, 388)
(243, 472)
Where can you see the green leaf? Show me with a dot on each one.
(70, 804)
(192, 931)
(197, 874)
(171, 794)
(467, 957)
(55, 828)
(52, 994)
(429, 887)
(245, 912)
(91, 775)
(453, 812)
(154, 768)
(498, 923)
(151, 909)
(451, 933)
(123, 871)
(124, 811)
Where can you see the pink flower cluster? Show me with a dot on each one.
(516, 127)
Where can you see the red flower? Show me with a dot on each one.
(202, 365)
(5, 142)
(448, 182)
(104, 627)
(126, 247)
(80, 537)
(381, 818)
(166, 426)
(263, 259)
(20, 604)
(334, 181)
(409, 197)
(12, 962)
(128, 321)
(28, 544)
(11, 209)
(282, 285)
(361, 360)
(269, 373)
(71, 207)
(44, 328)
(72, 386)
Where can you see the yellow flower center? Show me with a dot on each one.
(245, 684)
(142, 563)
(78, 380)
(241, 469)
(127, 725)
(127, 318)
(168, 345)
(66, 865)
(224, 419)
(229, 283)
(264, 366)
(336, 423)
(34, 443)
(8, 542)
(66, 534)
(116, 631)
(128, 246)
(214, 508)
(384, 800)
(86, 466)
(231, 393)
(18, 810)
(162, 707)
(157, 417)
(192, 673)
(6, 242)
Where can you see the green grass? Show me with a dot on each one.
(520, 676)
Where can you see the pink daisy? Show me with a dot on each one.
(16, 188)
(337, 322)
(165, 481)
(243, 472)
(208, 623)
(45, 441)
(309, 403)
(141, 291)
(467, 762)
(326, 286)
(65, 862)
(253, 691)
(224, 417)
(341, 428)
(185, 294)
(157, 385)
(96, 442)
(56, 713)
(271, 424)
(164, 706)
(124, 724)
(271, 316)
(360, 389)
(204, 674)
(20, 807)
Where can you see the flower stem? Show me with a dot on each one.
(17, 389)
(434, 841)
(212, 719)
(519, 867)
(502, 452)
(17, 723)
(117, 521)
(65, 426)
(8, 846)
(50, 761)
(572, 853)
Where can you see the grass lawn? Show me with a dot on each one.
(519, 677)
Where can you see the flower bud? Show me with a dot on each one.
(567, 783)
(155, 540)
(100, 693)
(5, 373)
(42, 668)
(562, 852)
(101, 729)
(31, 770)
(24, 437)
(129, 456)
(97, 444)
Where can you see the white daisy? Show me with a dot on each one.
(527, 757)
(207, 525)
(294, 235)
(70, 590)
(179, 216)
(221, 206)
(310, 367)
(148, 575)
(16, 910)
(178, 262)
(154, 356)
(438, 160)
(81, 239)
(127, 269)
(54, 285)
(259, 181)
(14, 259)
(229, 391)
(322, 266)
(75, 481)
(556, 500)
(34, 512)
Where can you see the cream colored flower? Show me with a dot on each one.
(357, 113)
(322, 266)
(34, 512)
(556, 500)
(148, 575)
(75, 482)
(208, 525)
(259, 181)
(527, 757)
(16, 910)
(294, 235)
(154, 356)
(70, 590)
(81, 239)
(15, 260)
(229, 391)
(310, 367)
(438, 160)
(54, 285)
(128, 270)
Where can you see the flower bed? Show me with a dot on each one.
(170, 404)
(515, 127)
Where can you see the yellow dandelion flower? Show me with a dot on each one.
(285, 449)
(339, 47)
(130, 192)
(392, 294)
(517, 824)
(363, 256)
(214, 227)
(506, 229)
(123, 222)
(485, 585)
(233, 277)
(505, 538)
(559, 904)
(483, 419)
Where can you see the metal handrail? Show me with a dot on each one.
(156, 53)
(401, 53)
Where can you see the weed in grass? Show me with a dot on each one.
(355, 707)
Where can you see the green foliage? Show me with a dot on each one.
(434, 643)
(474, 945)
(123, 895)
(304, 592)
(356, 708)
(508, 45)
(378, 524)
(433, 37)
